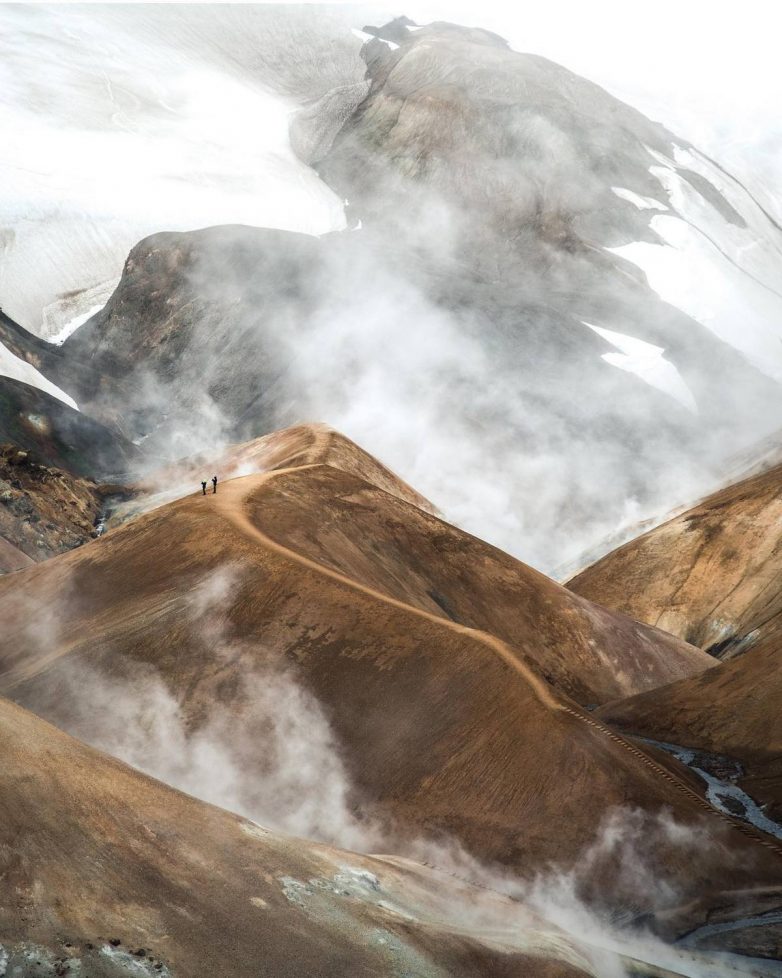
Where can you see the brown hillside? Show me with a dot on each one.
(388, 546)
(712, 576)
(306, 444)
(443, 729)
(733, 710)
(108, 873)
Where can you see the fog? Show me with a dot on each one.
(274, 759)
(125, 120)
(472, 376)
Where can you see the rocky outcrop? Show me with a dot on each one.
(56, 466)
(45, 510)
(189, 352)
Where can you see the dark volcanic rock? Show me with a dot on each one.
(50, 459)
(31, 420)
(187, 349)
(43, 510)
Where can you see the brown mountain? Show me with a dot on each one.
(712, 576)
(109, 873)
(732, 710)
(382, 618)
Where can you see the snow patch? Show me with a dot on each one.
(130, 964)
(126, 134)
(15, 368)
(692, 274)
(646, 361)
(72, 325)
(62, 312)
(725, 796)
(725, 276)
(363, 36)
(642, 203)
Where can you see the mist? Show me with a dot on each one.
(450, 330)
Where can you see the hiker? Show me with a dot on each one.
(203, 487)
(214, 484)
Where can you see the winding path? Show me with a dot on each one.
(231, 503)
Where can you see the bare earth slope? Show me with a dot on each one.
(733, 710)
(108, 873)
(712, 576)
(385, 544)
(304, 444)
(443, 729)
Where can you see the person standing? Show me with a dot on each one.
(203, 487)
(214, 484)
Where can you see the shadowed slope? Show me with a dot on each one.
(733, 710)
(108, 873)
(712, 576)
(442, 729)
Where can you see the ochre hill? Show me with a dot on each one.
(443, 729)
(305, 444)
(733, 710)
(386, 545)
(108, 873)
(711, 576)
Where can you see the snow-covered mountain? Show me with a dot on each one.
(485, 322)
(130, 120)
(549, 312)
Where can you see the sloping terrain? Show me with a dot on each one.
(67, 231)
(732, 710)
(33, 421)
(108, 873)
(444, 731)
(411, 556)
(12, 558)
(187, 350)
(50, 459)
(56, 467)
(27, 358)
(712, 575)
(43, 510)
(307, 444)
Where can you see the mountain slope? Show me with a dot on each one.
(52, 459)
(111, 874)
(387, 546)
(445, 732)
(732, 710)
(710, 575)
(306, 444)
(131, 152)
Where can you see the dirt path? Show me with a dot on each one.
(232, 505)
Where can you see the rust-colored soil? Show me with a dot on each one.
(712, 576)
(108, 873)
(443, 725)
(391, 548)
(732, 710)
